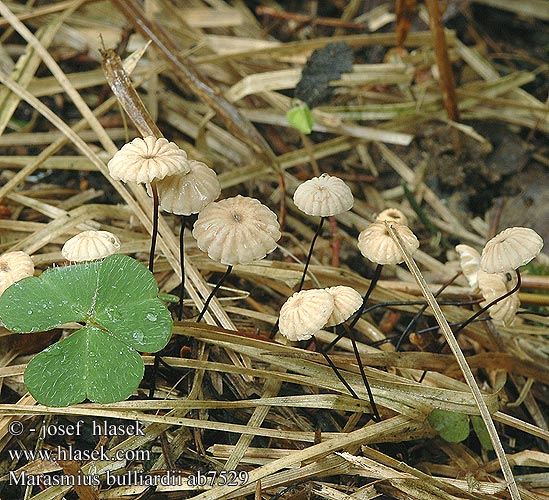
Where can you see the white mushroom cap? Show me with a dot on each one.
(510, 249)
(189, 193)
(323, 196)
(305, 313)
(14, 266)
(146, 160)
(493, 286)
(236, 230)
(469, 261)
(346, 301)
(375, 243)
(90, 245)
(392, 215)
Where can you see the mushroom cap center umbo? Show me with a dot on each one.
(237, 217)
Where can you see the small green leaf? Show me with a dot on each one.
(90, 363)
(482, 433)
(451, 426)
(300, 118)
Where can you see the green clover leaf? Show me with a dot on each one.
(117, 300)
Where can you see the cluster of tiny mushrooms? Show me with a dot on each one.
(241, 230)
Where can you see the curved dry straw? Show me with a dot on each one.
(462, 362)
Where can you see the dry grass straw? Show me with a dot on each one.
(277, 391)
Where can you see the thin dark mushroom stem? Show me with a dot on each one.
(376, 417)
(335, 369)
(154, 233)
(437, 327)
(421, 311)
(213, 292)
(274, 330)
(310, 254)
(152, 388)
(182, 262)
(490, 304)
(467, 322)
(373, 282)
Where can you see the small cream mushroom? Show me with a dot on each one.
(323, 196)
(189, 193)
(346, 302)
(237, 230)
(90, 245)
(146, 160)
(375, 243)
(392, 215)
(496, 285)
(305, 313)
(14, 266)
(512, 248)
(469, 261)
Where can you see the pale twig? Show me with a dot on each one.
(462, 362)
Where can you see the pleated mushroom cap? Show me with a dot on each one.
(147, 160)
(305, 313)
(510, 249)
(346, 302)
(323, 196)
(14, 266)
(469, 261)
(493, 286)
(375, 243)
(90, 245)
(237, 230)
(189, 193)
(392, 215)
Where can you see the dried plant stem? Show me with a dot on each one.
(213, 292)
(405, 12)
(122, 87)
(462, 362)
(310, 254)
(191, 76)
(447, 83)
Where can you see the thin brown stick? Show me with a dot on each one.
(129, 99)
(447, 83)
(305, 19)
(405, 12)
